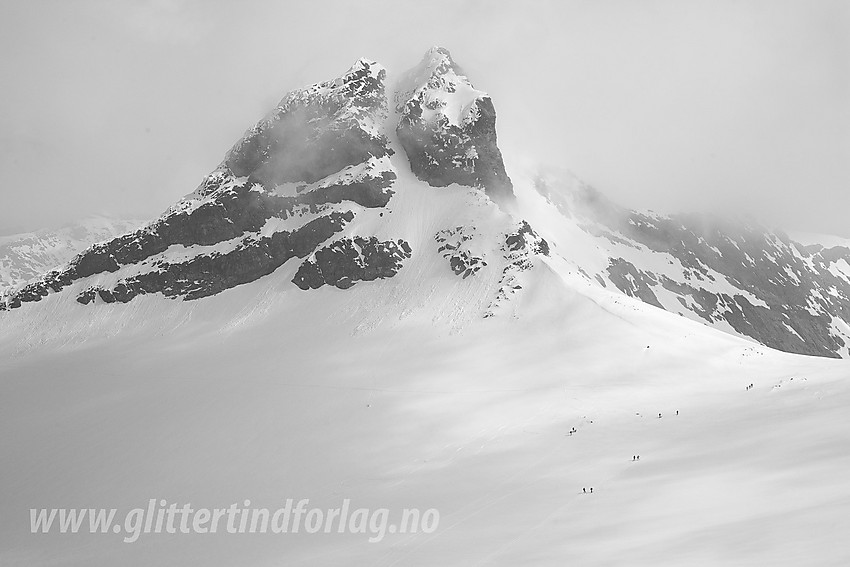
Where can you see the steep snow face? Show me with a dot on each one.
(736, 276)
(28, 255)
(448, 128)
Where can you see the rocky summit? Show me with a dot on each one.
(293, 187)
(448, 128)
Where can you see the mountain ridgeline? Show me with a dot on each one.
(291, 185)
(325, 184)
(734, 275)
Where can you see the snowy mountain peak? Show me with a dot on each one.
(365, 63)
(318, 193)
(361, 86)
(442, 88)
(438, 61)
(311, 187)
(448, 128)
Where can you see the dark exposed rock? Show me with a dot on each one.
(371, 192)
(87, 296)
(209, 274)
(315, 132)
(632, 281)
(444, 149)
(454, 247)
(788, 294)
(763, 266)
(526, 238)
(519, 249)
(800, 294)
(349, 260)
(312, 137)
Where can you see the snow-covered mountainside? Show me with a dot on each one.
(333, 316)
(311, 183)
(398, 394)
(317, 181)
(28, 255)
(735, 275)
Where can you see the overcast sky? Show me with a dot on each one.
(122, 107)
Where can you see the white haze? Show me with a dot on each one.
(122, 107)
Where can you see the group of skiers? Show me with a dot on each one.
(750, 387)
(634, 457)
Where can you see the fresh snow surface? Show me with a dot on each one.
(398, 394)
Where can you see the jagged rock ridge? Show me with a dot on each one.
(738, 276)
(285, 191)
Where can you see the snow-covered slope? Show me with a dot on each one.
(734, 275)
(397, 395)
(28, 255)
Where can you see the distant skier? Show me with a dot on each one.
(659, 416)
(584, 491)
(591, 490)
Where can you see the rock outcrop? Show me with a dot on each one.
(448, 128)
(455, 246)
(349, 260)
